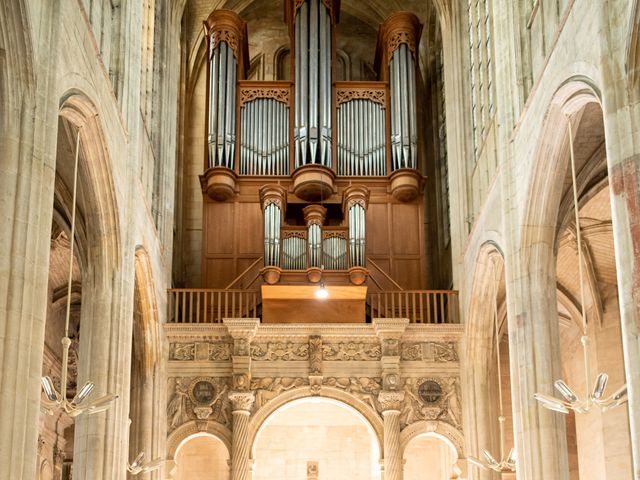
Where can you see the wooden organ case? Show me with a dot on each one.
(313, 182)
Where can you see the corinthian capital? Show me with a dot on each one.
(390, 400)
(242, 401)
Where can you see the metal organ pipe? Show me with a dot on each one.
(404, 129)
(312, 129)
(222, 106)
(357, 235)
(361, 138)
(264, 148)
(272, 235)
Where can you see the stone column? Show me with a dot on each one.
(241, 403)
(28, 131)
(391, 403)
(389, 331)
(242, 330)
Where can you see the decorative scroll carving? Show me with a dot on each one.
(315, 355)
(430, 352)
(432, 399)
(352, 351)
(200, 398)
(363, 388)
(398, 38)
(219, 352)
(224, 36)
(280, 351)
(268, 388)
(247, 94)
(375, 95)
(182, 351)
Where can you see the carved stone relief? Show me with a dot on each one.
(352, 351)
(363, 388)
(315, 355)
(199, 398)
(182, 351)
(280, 351)
(429, 352)
(268, 388)
(433, 398)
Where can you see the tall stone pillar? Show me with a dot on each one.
(242, 330)
(241, 403)
(391, 403)
(28, 110)
(389, 331)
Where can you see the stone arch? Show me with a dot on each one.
(188, 430)
(445, 432)
(366, 412)
(96, 191)
(552, 153)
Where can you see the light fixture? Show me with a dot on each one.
(138, 465)
(595, 397)
(508, 463)
(322, 293)
(58, 399)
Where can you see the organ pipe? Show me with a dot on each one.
(398, 40)
(361, 138)
(264, 145)
(227, 50)
(312, 65)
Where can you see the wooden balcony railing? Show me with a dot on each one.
(419, 306)
(198, 305)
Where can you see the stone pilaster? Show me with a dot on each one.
(241, 404)
(242, 330)
(391, 404)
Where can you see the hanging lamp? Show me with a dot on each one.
(596, 396)
(139, 466)
(57, 400)
(508, 463)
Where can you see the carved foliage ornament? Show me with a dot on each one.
(398, 38)
(227, 36)
(200, 398)
(315, 355)
(352, 351)
(280, 351)
(248, 94)
(378, 96)
(327, 3)
(429, 351)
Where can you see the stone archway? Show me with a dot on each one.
(442, 449)
(211, 451)
(323, 438)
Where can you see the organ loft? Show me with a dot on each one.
(316, 288)
(315, 183)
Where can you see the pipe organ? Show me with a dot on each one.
(322, 179)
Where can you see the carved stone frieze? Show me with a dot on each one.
(437, 352)
(315, 355)
(182, 351)
(268, 388)
(219, 352)
(280, 351)
(351, 351)
(432, 398)
(199, 398)
(363, 388)
(280, 94)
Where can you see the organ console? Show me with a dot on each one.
(313, 180)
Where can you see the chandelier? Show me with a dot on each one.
(139, 465)
(508, 463)
(57, 399)
(596, 396)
